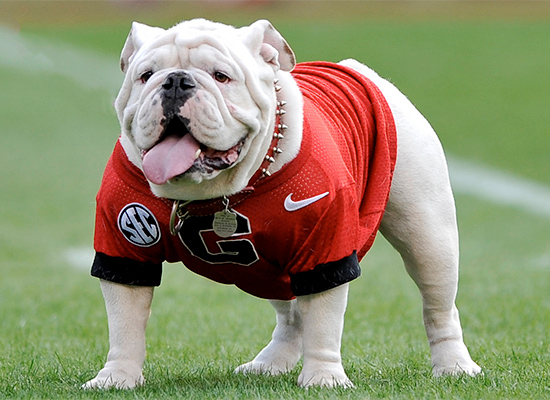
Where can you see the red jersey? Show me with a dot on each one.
(302, 230)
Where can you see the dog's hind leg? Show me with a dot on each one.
(285, 349)
(420, 222)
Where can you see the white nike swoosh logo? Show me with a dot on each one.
(291, 205)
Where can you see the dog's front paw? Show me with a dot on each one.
(452, 358)
(325, 378)
(109, 378)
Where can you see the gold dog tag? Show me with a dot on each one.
(225, 223)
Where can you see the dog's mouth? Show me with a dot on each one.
(177, 152)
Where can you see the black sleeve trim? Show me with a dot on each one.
(126, 271)
(326, 276)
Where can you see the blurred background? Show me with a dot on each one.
(478, 70)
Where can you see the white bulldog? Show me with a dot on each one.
(211, 116)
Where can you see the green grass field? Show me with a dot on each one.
(482, 81)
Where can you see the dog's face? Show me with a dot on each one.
(197, 106)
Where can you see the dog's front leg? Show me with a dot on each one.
(323, 324)
(128, 309)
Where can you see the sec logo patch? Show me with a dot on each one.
(138, 225)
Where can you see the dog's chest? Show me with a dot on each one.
(320, 208)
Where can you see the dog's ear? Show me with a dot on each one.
(139, 34)
(273, 48)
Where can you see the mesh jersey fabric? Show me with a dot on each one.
(347, 155)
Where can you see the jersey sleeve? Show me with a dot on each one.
(328, 256)
(127, 237)
(126, 271)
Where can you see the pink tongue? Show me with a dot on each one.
(170, 158)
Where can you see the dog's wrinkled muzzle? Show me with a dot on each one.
(177, 151)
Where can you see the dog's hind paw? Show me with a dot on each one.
(467, 368)
(453, 358)
(114, 379)
(260, 368)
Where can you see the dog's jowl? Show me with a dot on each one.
(273, 176)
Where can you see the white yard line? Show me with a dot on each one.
(499, 187)
(94, 70)
(88, 69)
(80, 257)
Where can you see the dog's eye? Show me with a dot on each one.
(221, 77)
(145, 76)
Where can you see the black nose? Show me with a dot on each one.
(177, 84)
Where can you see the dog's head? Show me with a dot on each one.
(197, 106)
